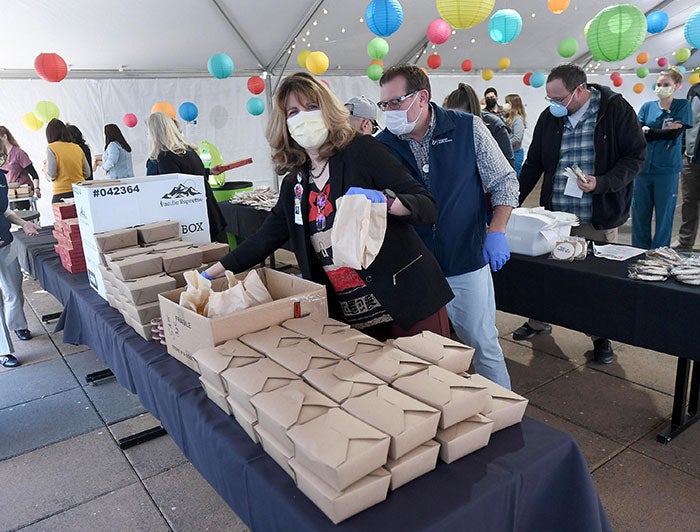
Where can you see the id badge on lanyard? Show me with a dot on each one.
(298, 193)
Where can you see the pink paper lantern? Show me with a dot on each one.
(662, 62)
(130, 120)
(439, 31)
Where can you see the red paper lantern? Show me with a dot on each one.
(439, 31)
(662, 62)
(526, 78)
(617, 82)
(130, 120)
(615, 75)
(256, 84)
(434, 61)
(50, 67)
(467, 65)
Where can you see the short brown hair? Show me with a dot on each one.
(416, 78)
(671, 72)
(571, 75)
(56, 131)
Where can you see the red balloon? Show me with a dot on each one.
(526, 78)
(662, 62)
(434, 61)
(50, 67)
(617, 82)
(130, 120)
(256, 84)
(467, 65)
(439, 31)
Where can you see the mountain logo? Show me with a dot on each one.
(181, 191)
(82, 214)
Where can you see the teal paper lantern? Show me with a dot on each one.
(255, 106)
(220, 66)
(537, 79)
(567, 47)
(657, 21)
(384, 17)
(188, 111)
(616, 32)
(691, 29)
(377, 48)
(505, 26)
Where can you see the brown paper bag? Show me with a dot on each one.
(358, 231)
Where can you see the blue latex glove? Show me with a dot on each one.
(206, 276)
(372, 195)
(496, 250)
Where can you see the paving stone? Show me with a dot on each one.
(530, 369)
(506, 323)
(682, 452)
(28, 382)
(39, 349)
(198, 507)
(61, 476)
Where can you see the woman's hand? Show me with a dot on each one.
(37, 192)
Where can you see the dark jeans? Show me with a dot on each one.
(58, 197)
(690, 205)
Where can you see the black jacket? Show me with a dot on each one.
(404, 277)
(620, 150)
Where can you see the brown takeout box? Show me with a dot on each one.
(211, 362)
(141, 313)
(216, 395)
(123, 253)
(407, 421)
(117, 239)
(271, 338)
(507, 407)
(413, 464)
(342, 380)
(339, 448)
(144, 331)
(145, 289)
(136, 266)
(348, 342)
(315, 325)
(278, 452)
(213, 252)
(175, 260)
(167, 245)
(444, 352)
(464, 438)
(245, 418)
(456, 397)
(301, 357)
(156, 231)
(390, 363)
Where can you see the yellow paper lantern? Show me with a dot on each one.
(503, 63)
(487, 74)
(558, 6)
(31, 122)
(317, 63)
(301, 58)
(694, 78)
(464, 14)
(164, 107)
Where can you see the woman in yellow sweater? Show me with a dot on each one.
(65, 162)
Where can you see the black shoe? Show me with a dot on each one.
(23, 334)
(8, 361)
(602, 351)
(680, 248)
(525, 332)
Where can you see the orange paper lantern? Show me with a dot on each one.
(638, 87)
(379, 62)
(558, 6)
(164, 107)
(642, 58)
(434, 61)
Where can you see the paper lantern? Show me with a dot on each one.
(691, 29)
(317, 63)
(616, 32)
(31, 122)
(642, 58)
(505, 26)
(220, 66)
(642, 72)
(694, 78)
(657, 21)
(256, 84)
(617, 82)
(503, 63)
(558, 6)
(615, 75)
(467, 65)
(681, 55)
(438, 31)
(682, 69)
(255, 106)
(188, 111)
(638, 87)
(434, 61)
(464, 14)
(130, 120)
(46, 111)
(301, 58)
(374, 72)
(50, 67)
(526, 78)
(586, 28)
(537, 79)
(487, 74)
(567, 47)
(377, 62)
(377, 48)
(384, 17)
(164, 107)
(662, 62)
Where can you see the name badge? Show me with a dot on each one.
(298, 193)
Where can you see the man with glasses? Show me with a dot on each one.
(595, 128)
(363, 115)
(455, 157)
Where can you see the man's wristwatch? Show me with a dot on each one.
(390, 196)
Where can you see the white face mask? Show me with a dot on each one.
(507, 107)
(664, 92)
(308, 129)
(397, 121)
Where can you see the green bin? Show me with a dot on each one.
(225, 193)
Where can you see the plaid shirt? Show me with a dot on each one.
(577, 148)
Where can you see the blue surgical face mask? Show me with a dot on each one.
(559, 109)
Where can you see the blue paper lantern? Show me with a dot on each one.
(691, 30)
(505, 25)
(188, 111)
(537, 79)
(681, 68)
(220, 66)
(384, 17)
(657, 21)
(255, 106)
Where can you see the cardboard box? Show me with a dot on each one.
(62, 210)
(175, 260)
(146, 289)
(69, 227)
(444, 352)
(408, 422)
(211, 362)
(78, 267)
(464, 438)
(456, 397)
(245, 418)
(339, 505)
(167, 245)
(216, 395)
(123, 253)
(157, 231)
(117, 239)
(213, 252)
(302, 357)
(110, 279)
(294, 404)
(186, 331)
(263, 375)
(112, 300)
(136, 266)
(144, 331)
(342, 381)
(390, 363)
(339, 448)
(66, 241)
(348, 342)
(315, 325)
(72, 254)
(141, 313)
(507, 407)
(413, 464)
(271, 338)
(278, 452)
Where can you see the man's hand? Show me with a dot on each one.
(31, 228)
(37, 192)
(587, 187)
(496, 250)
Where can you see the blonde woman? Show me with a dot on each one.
(174, 155)
(516, 120)
(403, 291)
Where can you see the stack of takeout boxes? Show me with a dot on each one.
(349, 417)
(15, 190)
(66, 231)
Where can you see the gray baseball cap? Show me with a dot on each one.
(362, 108)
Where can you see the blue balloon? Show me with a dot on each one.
(188, 111)
(220, 66)
(657, 21)
(537, 79)
(505, 26)
(384, 17)
(691, 29)
(255, 106)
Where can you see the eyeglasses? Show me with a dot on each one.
(561, 100)
(395, 104)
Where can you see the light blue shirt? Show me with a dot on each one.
(116, 161)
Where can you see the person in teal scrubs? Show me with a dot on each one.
(656, 187)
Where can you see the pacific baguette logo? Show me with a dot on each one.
(182, 194)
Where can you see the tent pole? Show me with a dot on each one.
(233, 26)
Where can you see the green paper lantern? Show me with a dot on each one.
(377, 48)
(682, 55)
(567, 47)
(616, 32)
(374, 72)
(45, 111)
(642, 72)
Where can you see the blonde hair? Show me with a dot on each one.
(165, 136)
(516, 109)
(674, 73)
(286, 153)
